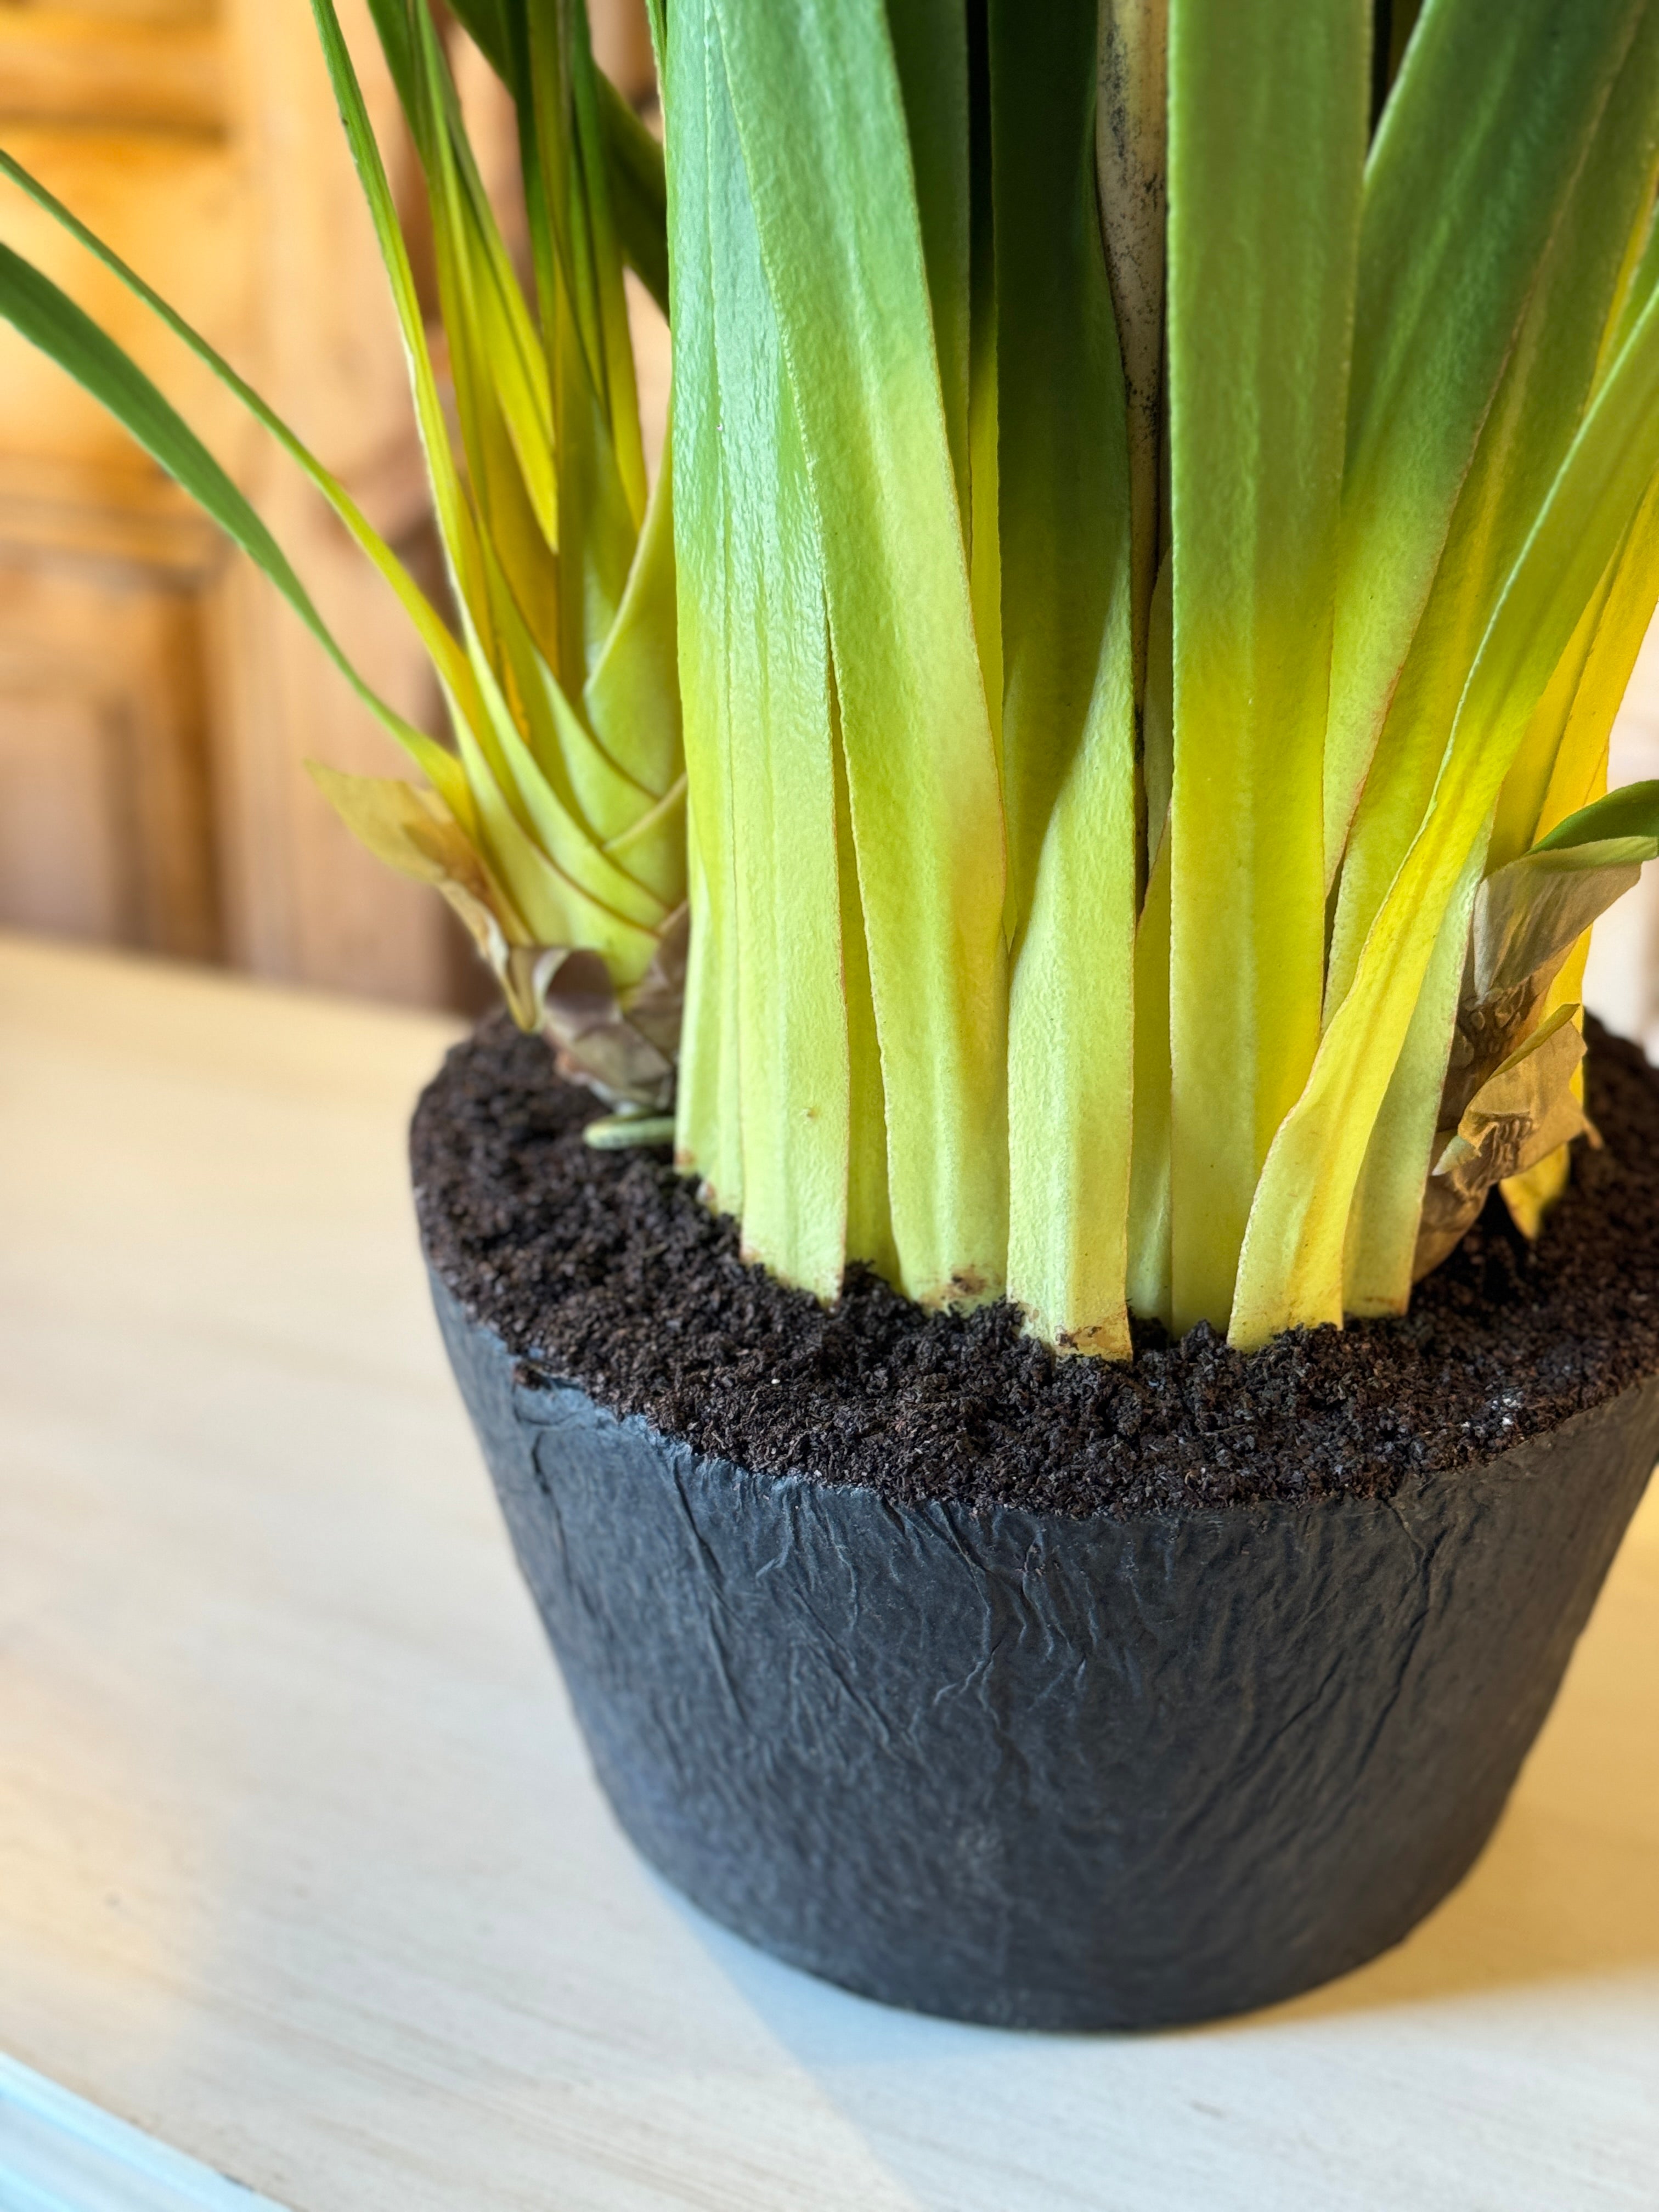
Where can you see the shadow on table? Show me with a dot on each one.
(1550, 1900)
(1559, 1919)
(1559, 1912)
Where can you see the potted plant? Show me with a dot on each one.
(1082, 789)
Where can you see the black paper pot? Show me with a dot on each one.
(1040, 1771)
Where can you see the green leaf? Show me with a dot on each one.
(984, 541)
(602, 485)
(1290, 1273)
(633, 158)
(632, 694)
(869, 1203)
(708, 1130)
(502, 392)
(494, 318)
(1556, 738)
(743, 493)
(1069, 716)
(455, 522)
(1618, 619)
(1381, 1244)
(1392, 24)
(1478, 146)
(50, 319)
(547, 805)
(1267, 133)
(821, 125)
(558, 910)
(395, 26)
(1631, 811)
(595, 273)
(639, 193)
(1149, 1174)
(930, 49)
(484, 21)
(1541, 400)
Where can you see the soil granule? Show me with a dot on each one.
(603, 1269)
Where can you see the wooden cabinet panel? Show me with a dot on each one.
(105, 831)
(90, 66)
(157, 701)
(64, 851)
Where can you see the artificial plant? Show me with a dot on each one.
(1164, 508)
(1165, 519)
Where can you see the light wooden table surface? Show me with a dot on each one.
(300, 1866)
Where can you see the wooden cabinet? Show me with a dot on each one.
(156, 700)
(106, 827)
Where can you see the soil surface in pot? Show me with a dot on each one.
(603, 1269)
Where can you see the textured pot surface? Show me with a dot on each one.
(1042, 1772)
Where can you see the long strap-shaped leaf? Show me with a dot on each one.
(708, 1136)
(455, 517)
(1267, 107)
(1068, 717)
(1290, 1273)
(1541, 400)
(1381, 1243)
(632, 693)
(503, 391)
(551, 560)
(775, 720)
(634, 159)
(1624, 619)
(930, 46)
(496, 316)
(1148, 1283)
(821, 124)
(50, 319)
(638, 191)
(1481, 138)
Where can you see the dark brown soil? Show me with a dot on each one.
(602, 1268)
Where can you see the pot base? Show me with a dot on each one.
(1039, 1771)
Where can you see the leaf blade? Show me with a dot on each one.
(1068, 715)
(1266, 250)
(1292, 1270)
(1479, 143)
(828, 174)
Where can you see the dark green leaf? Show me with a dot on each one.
(1632, 812)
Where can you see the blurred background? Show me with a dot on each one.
(156, 699)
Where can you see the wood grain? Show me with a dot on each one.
(301, 1868)
(202, 142)
(59, 2154)
(68, 65)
